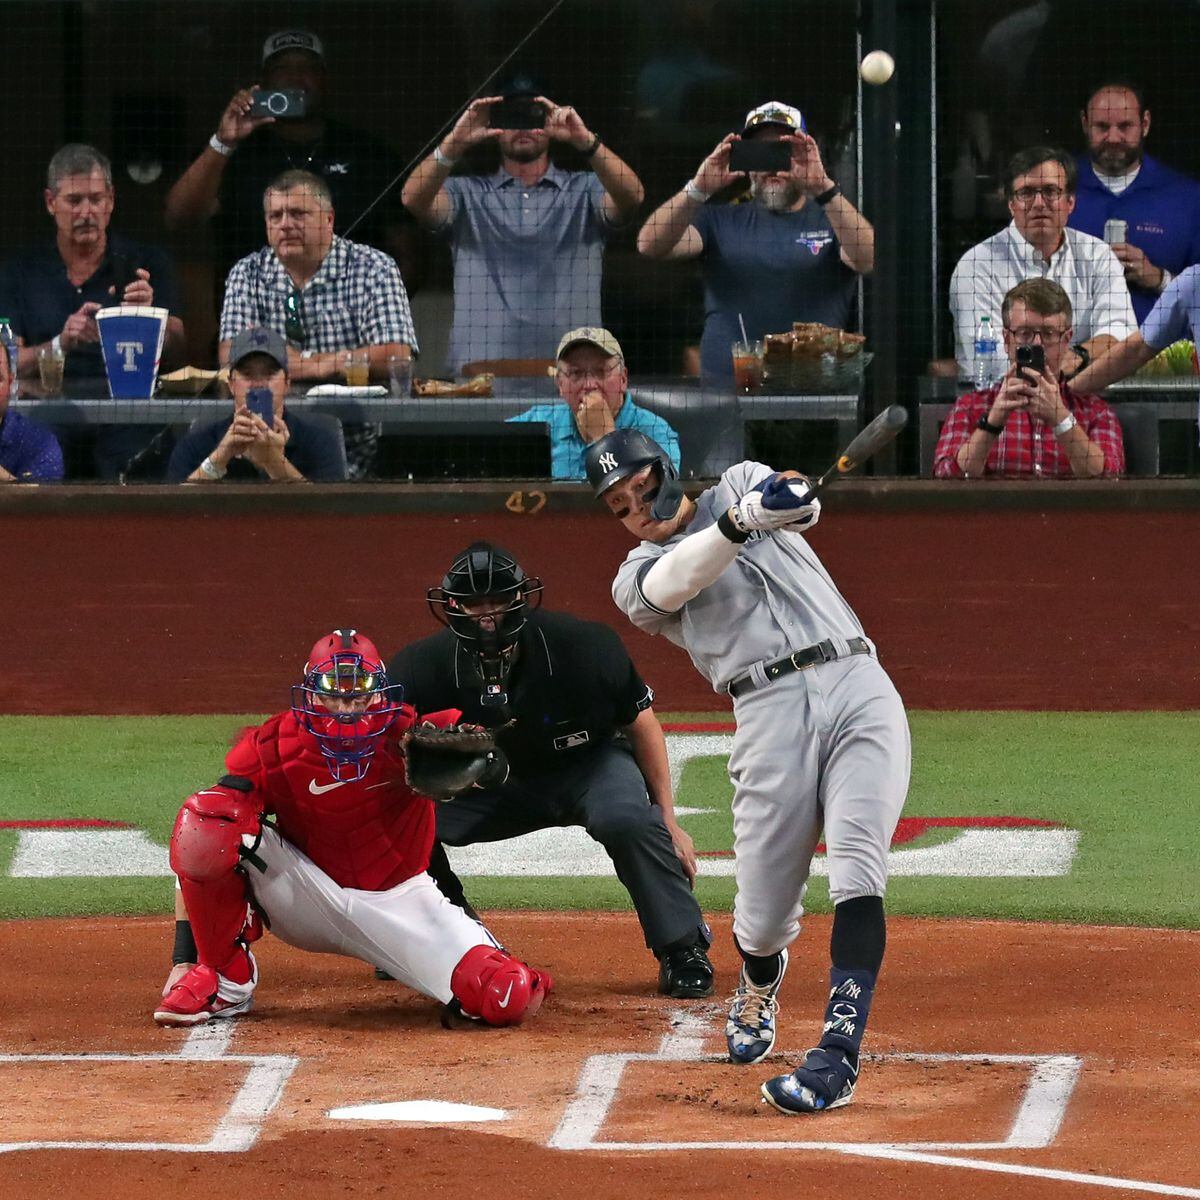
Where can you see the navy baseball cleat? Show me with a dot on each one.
(750, 1025)
(685, 973)
(825, 1080)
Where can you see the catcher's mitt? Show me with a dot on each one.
(442, 763)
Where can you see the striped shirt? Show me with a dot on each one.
(1028, 449)
(356, 298)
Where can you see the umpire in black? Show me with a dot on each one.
(583, 743)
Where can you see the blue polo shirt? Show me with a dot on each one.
(526, 261)
(310, 449)
(1162, 208)
(37, 296)
(567, 448)
(29, 451)
(773, 268)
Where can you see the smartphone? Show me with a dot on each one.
(282, 103)
(1115, 230)
(517, 113)
(1030, 358)
(756, 155)
(124, 273)
(260, 402)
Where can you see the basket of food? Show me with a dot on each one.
(812, 357)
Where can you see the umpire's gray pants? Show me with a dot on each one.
(828, 747)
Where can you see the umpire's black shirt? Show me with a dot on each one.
(572, 687)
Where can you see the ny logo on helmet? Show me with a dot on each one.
(608, 461)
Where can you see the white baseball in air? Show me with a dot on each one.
(877, 67)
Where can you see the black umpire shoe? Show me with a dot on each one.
(686, 973)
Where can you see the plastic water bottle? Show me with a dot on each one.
(9, 341)
(986, 348)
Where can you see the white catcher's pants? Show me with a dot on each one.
(829, 747)
(411, 930)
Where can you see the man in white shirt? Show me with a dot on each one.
(1040, 186)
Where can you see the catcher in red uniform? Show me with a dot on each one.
(321, 831)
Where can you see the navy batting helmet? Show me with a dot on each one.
(624, 452)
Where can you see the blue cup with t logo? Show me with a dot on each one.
(131, 338)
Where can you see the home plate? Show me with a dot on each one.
(432, 1111)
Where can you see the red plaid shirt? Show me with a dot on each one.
(1028, 449)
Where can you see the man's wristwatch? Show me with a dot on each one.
(210, 470)
(692, 192)
(590, 149)
(987, 427)
(224, 149)
(827, 195)
(1065, 425)
(1085, 357)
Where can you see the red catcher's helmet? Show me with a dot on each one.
(346, 701)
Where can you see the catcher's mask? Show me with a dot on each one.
(489, 580)
(345, 701)
(624, 452)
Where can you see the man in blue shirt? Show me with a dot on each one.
(594, 385)
(791, 253)
(29, 452)
(528, 239)
(1119, 180)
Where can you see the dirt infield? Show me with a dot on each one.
(1058, 610)
(1069, 1070)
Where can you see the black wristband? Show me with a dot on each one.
(185, 944)
(825, 197)
(730, 530)
(590, 151)
(988, 427)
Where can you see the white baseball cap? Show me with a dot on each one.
(775, 112)
(292, 39)
(590, 335)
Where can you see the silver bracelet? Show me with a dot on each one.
(692, 192)
(222, 148)
(1065, 425)
(444, 160)
(210, 470)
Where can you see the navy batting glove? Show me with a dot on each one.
(781, 493)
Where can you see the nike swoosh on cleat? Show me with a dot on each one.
(319, 789)
(504, 1003)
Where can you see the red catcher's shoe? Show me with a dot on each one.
(203, 995)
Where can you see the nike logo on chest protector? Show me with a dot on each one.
(319, 789)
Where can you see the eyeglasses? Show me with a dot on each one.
(1028, 334)
(293, 321)
(579, 374)
(1051, 193)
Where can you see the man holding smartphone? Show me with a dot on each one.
(793, 254)
(1031, 425)
(527, 238)
(257, 442)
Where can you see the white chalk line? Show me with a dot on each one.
(239, 1126)
(1036, 1124)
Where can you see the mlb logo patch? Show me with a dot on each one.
(569, 741)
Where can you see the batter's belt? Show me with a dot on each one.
(801, 660)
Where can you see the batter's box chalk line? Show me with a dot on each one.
(239, 1126)
(1048, 1088)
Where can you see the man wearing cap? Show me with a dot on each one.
(792, 254)
(594, 385)
(293, 448)
(528, 238)
(225, 183)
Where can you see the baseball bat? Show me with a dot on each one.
(869, 440)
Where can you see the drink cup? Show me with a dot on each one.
(1115, 230)
(131, 339)
(358, 368)
(400, 376)
(747, 367)
(50, 368)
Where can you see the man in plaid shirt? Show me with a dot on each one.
(325, 294)
(1031, 426)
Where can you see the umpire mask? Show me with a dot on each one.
(485, 600)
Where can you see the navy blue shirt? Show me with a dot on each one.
(1162, 209)
(310, 448)
(773, 268)
(29, 451)
(37, 297)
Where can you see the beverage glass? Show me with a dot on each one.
(50, 368)
(358, 368)
(747, 367)
(400, 376)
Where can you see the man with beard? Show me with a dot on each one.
(1119, 181)
(792, 254)
(527, 239)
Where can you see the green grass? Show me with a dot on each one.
(1126, 781)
